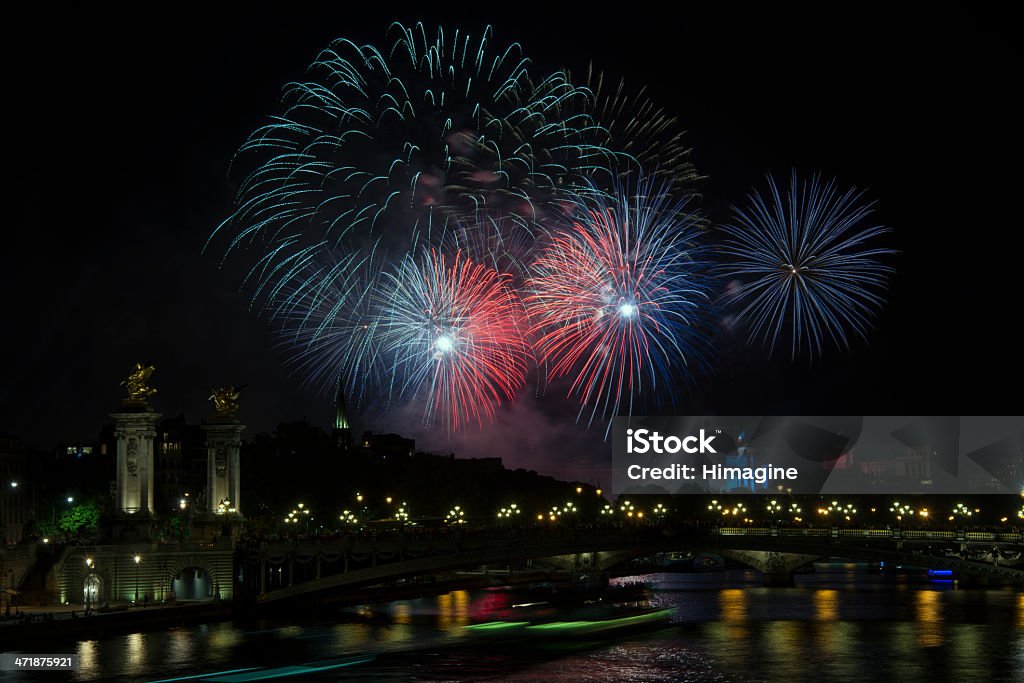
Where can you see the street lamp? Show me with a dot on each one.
(456, 516)
(185, 505)
(88, 585)
(509, 512)
(138, 559)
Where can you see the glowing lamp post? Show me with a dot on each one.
(88, 585)
(138, 559)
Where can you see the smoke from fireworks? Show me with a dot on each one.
(805, 265)
(618, 300)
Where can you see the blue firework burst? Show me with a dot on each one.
(806, 264)
(384, 146)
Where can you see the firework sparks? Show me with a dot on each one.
(388, 146)
(618, 300)
(805, 264)
(450, 329)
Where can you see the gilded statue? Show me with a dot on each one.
(136, 383)
(225, 400)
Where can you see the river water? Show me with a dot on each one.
(839, 624)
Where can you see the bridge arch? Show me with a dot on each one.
(191, 577)
(775, 553)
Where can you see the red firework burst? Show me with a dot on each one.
(452, 331)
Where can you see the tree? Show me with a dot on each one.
(82, 517)
(46, 529)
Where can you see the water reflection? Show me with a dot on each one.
(352, 637)
(453, 610)
(826, 604)
(929, 618)
(783, 649)
(733, 603)
(863, 629)
(179, 644)
(730, 626)
(402, 613)
(88, 660)
(903, 667)
(224, 637)
(136, 650)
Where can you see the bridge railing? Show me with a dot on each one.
(938, 535)
(866, 533)
(804, 532)
(909, 534)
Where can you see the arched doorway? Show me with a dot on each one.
(92, 589)
(192, 583)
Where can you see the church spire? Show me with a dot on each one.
(342, 431)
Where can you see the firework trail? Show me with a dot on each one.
(384, 147)
(618, 301)
(328, 326)
(648, 141)
(450, 330)
(805, 264)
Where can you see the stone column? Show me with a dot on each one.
(134, 432)
(223, 473)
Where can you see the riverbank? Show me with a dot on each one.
(65, 623)
(68, 625)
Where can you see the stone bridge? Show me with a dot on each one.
(309, 570)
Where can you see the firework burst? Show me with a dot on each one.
(648, 141)
(618, 301)
(385, 146)
(328, 325)
(450, 330)
(804, 264)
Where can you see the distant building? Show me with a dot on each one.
(181, 462)
(877, 470)
(80, 468)
(915, 464)
(388, 446)
(15, 498)
(843, 462)
(746, 456)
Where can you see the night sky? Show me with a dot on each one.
(118, 143)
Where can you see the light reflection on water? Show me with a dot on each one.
(136, 650)
(929, 619)
(826, 604)
(838, 628)
(88, 660)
